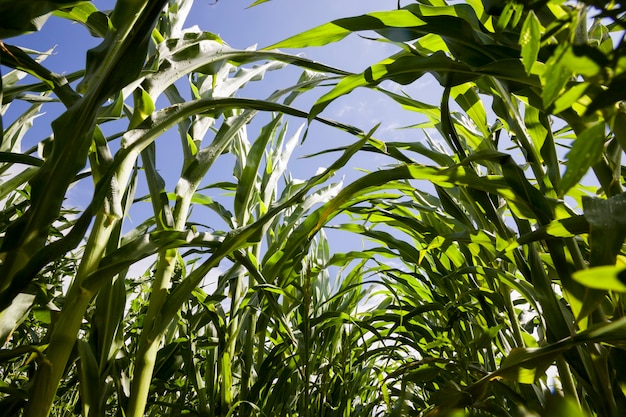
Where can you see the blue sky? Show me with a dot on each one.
(262, 25)
(265, 24)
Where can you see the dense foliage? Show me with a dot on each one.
(493, 283)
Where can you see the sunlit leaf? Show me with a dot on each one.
(89, 379)
(469, 100)
(403, 70)
(556, 76)
(611, 278)
(530, 40)
(527, 365)
(11, 317)
(87, 14)
(607, 228)
(585, 60)
(257, 2)
(321, 35)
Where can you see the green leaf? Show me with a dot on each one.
(403, 70)
(87, 14)
(89, 378)
(257, 2)
(467, 97)
(340, 28)
(542, 207)
(569, 97)
(118, 60)
(205, 53)
(607, 228)
(144, 107)
(16, 181)
(467, 12)
(169, 360)
(555, 77)
(18, 17)
(13, 316)
(248, 182)
(19, 58)
(568, 227)
(607, 277)
(321, 35)
(585, 60)
(112, 111)
(13, 135)
(536, 129)
(139, 248)
(530, 40)
(558, 406)
(108, 321)
(608, 97)
(527, 365)
(586, 151)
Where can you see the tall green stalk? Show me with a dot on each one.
(64, 336)
(488, 262)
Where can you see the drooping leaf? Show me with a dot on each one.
(21, 17)
(607, 277)
(527, 365)
(87, 14)
(339, 29)
(206, 53)
(120, 57)
(586, 151)
(403, 70)
(607, 228)
(567, 227)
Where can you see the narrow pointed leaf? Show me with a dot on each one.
(608, 277)
(530, 40)
(586, 151)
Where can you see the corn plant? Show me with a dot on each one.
(490, 278)
(84, 359)
(498, 271)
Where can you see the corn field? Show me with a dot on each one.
(492, 278)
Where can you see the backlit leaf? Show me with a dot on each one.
(87, 14)
(607, 277)
(11, 317)
(21, 17)
(556, 76)
(530, 39)
(586, 151)
(527, 365)
(607, 228)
